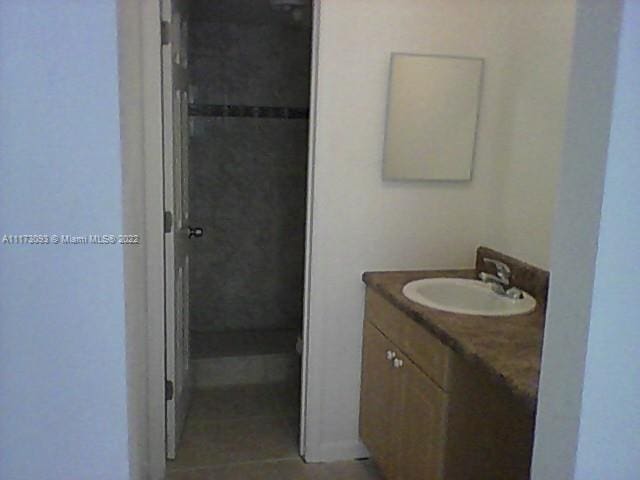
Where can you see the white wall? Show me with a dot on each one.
(575, 239)
(534, 83)
(362, 223)
(63, 397)
(588, 423)
(610, 417)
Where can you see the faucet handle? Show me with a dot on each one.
(502, 269)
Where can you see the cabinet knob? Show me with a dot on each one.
(397, 363)
(391, 355)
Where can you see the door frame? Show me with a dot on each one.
(147, 42)
(150, 47)
(306, 424)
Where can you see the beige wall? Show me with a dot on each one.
(361, 222)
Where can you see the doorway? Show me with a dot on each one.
(244, 188)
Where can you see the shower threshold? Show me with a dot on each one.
(244, 357)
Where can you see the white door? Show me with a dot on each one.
(176, 206)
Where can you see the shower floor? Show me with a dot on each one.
(244, 357)
(242, 343)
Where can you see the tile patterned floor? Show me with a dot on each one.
(250, 433)
(291, 469)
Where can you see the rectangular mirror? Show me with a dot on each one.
(432, 113)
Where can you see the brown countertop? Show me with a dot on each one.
(508, 348)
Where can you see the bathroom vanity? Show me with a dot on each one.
(448, 396)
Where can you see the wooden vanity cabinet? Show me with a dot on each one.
(421, 426)
(426, 414)
(379, 399)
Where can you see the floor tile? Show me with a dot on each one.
(242, 343)
(235, 441)
(288, 397)
(251, 433)
(348, 470)
(294, 425)
(244, 401)
(293, 469)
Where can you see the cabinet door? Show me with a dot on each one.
(421, 425)
(379, 399)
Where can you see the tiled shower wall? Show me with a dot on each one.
(248, 175)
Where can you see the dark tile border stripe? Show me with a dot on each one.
(245, 111)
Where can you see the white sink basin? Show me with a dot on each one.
(471, 297)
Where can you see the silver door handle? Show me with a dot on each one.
(196, 232)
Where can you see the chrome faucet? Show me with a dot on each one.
(500, 282)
